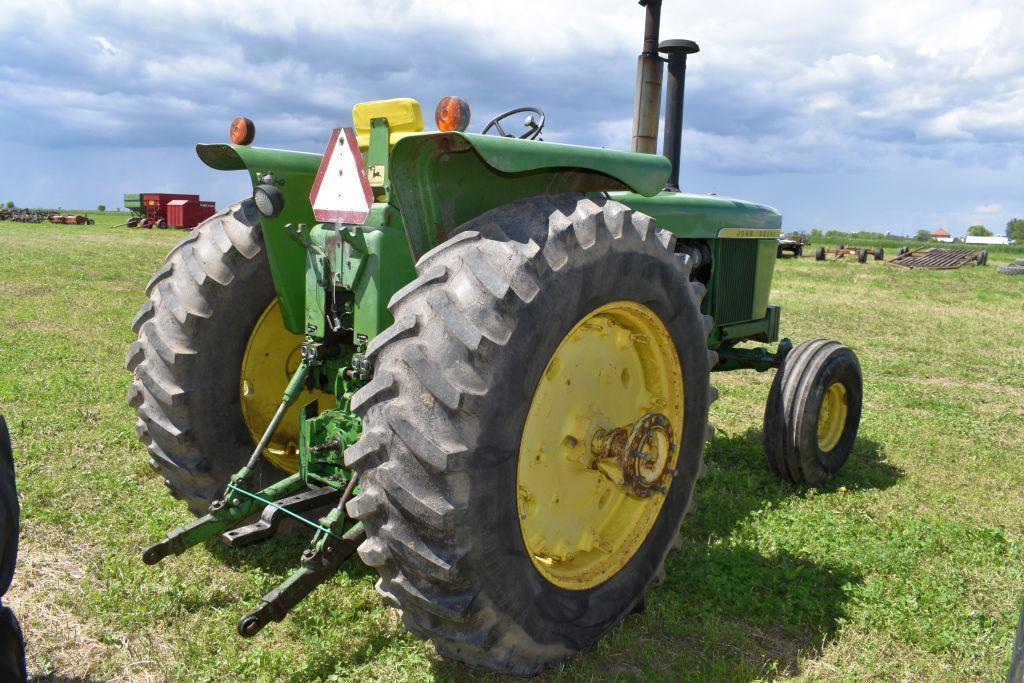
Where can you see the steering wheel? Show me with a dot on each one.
(533, 126)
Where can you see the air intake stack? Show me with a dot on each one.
(649, 71)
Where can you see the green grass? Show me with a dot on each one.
(907, 566)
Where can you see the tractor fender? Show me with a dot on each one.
(294, 173)
(442, 180)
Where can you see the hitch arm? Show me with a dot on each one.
(317, 567)
(222, 517)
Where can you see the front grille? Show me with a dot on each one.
(735, 275)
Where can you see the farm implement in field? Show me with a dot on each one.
(70, 219)
(939, 258)
(860, 253)
(25, 216)
(485, 360)
(794, 244)
(164, 210)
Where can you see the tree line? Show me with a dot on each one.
(1014, 230)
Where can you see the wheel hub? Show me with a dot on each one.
(271, 356)
(636, 456)
(832, 416)
(598, 448)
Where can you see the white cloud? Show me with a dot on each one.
(989, 208)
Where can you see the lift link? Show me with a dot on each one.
(231, 509)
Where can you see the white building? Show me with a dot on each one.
(994, 239)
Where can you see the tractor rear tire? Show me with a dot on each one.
(779, 251)
(444, 422)
(819, 254)
(192, 334)
(793, 417)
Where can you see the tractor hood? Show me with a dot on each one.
(442, 180)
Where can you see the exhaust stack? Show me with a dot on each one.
(647, 105)
(649, 71)
(674, 91)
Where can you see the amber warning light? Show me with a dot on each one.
(452, 113)
(242, 131)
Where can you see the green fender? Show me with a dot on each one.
(438, 182)
(294, 172)
(442, 180)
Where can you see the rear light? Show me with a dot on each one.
(452, 113)
(242, 131)
(268, 199)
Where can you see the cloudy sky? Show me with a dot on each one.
(873, 114)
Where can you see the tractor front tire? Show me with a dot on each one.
(447, 413)
(813, 412)
(192, 334)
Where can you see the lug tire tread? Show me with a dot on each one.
(180, 300)
(412, 464)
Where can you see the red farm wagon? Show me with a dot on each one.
(166, 210)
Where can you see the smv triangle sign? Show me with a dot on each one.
(341, 192)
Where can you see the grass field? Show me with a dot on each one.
(909, 565)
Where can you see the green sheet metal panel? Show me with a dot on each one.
(442, 180)
(697, 216)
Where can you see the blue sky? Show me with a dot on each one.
(842, 114)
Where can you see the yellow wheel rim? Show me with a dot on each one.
(581, 523)
(271, 356)
(832, 417)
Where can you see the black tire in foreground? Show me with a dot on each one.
(1017, 656)
(879, 254)
(792, 440)
(12, 642)
(444, 416)
(819, 254)
(1011, 270)
(192, 333)
(862, 256)
(983, 257)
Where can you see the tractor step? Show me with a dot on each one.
(273, 514)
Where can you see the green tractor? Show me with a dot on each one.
(481, 361)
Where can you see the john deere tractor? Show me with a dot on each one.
(481, 361)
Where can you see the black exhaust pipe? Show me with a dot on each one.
(677, 50)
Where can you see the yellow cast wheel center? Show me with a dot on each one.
(832, 417)
(597, 452)
(271, 357)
